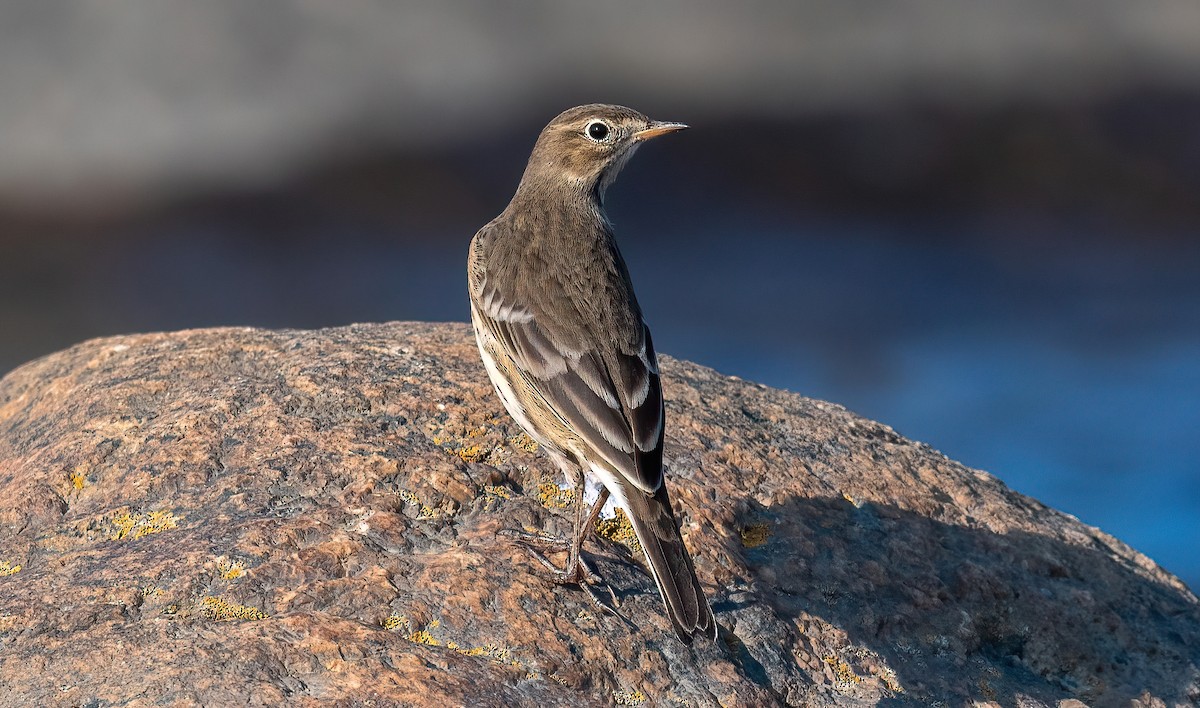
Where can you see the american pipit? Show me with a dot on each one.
(563, 339)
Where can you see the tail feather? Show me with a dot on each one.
(654, 523)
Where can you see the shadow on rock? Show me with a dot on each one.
(946, 612)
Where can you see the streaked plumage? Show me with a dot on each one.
(562, 336)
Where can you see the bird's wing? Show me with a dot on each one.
(590, 362)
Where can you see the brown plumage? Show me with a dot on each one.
(562, 336)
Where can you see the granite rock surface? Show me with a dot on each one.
(239, 516)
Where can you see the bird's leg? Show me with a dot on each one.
(582, 527)
(577, 571)
(575, 559)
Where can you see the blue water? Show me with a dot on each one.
(1070, 372)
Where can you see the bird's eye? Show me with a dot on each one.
(597, 130)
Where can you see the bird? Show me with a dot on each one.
(568, 351)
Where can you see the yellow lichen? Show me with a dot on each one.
(496, 653)
(456, 445)
(755, 535)
(888, 676)
(230, 569)
(149, 591)
(471, 453)
(553, 496)
(78, 478)
(426, 511)
(416, 636)
(629, 698)
(620, 530)
(127, 525)
(524, 442)
(7, 568)
(215, 608)
(395, 621)
(424, 636)
(844, 675)
(495, 496)
(498, 492)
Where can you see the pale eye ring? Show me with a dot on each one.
(597, 130)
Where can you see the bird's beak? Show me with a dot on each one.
(658, 128)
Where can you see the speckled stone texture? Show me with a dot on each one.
(249, 517)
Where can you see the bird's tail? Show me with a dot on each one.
(654, 523)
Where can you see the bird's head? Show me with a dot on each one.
(586, 146)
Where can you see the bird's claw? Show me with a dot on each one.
(579, 573)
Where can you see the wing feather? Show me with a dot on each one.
(612, 401)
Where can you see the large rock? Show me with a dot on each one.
(242, 516)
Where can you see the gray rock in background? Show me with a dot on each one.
(138, 96)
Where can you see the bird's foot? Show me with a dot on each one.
(577, 572)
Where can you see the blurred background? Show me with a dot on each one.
(976, 222)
